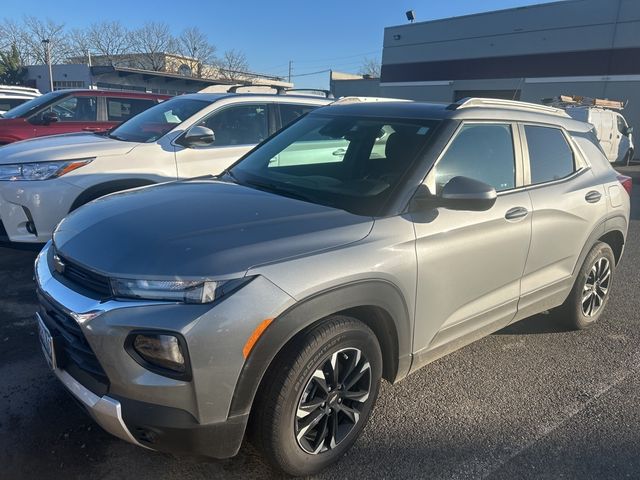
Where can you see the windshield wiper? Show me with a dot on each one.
(278, 190)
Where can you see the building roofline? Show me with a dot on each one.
(490, 12)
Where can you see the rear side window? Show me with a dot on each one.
(290, 111)
(238, 125)
(550, 156)
(121, 109)
(483, 152)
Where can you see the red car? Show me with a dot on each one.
(66, 111)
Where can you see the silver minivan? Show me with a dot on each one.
(273, 298)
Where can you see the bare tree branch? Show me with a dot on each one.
(233, 65)
(370, 67)
(194, 44)
(34, 31)
(151, 42)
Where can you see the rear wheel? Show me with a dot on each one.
(317, 397)
(591, 290)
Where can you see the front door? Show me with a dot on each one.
(237, 129)
(74, 113)
(470, 263)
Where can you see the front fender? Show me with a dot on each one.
(380, 294)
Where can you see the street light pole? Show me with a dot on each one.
(47, 58)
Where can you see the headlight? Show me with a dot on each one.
(40, 170)
(186, 291)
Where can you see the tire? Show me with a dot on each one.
(628, 158)
(297, 389)
(591, 290)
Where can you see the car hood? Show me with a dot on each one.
(201, 228)
(63, 147)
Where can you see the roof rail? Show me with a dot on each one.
(510, 104)
(326, 93)
(354, 99)
(18, 88)
(278, 88)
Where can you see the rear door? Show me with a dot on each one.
(237, 129)
(567, 205)
(116, 110)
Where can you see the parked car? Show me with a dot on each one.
(11, 96)
(612, 130)
(66, 111)
(42, 180)
(277, 296)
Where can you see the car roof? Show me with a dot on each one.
(509, 111)
(117, 93)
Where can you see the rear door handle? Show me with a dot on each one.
(593, 196)
(516, 213)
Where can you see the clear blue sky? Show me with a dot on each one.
(316, 35)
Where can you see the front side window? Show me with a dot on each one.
(483, 152)
(122, 109)
(348, 162)
(76, 109)
(622, 125)
(550, 156)
(238, 125)
(158, 120)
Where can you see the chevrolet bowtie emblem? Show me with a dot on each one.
(58, 264)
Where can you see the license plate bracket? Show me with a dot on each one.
(47, 343)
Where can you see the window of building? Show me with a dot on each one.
(66, 84)
(550, 156)
(483, 152)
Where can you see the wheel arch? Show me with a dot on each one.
(105, 188)
(378, 304)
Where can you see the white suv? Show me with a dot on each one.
(43, 179)
(11, 96)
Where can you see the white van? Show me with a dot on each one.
(12, 96)
(612, 130)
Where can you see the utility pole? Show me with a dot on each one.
(47, 58)
(290, 68)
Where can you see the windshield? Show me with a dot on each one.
(32, 105)
(351, 163)
(153, 123)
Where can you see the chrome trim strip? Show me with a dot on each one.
(76, 305)
(106, 411)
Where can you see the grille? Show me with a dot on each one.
(73, 352)
(86, 278)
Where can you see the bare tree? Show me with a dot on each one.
(34, 31)
(11, 34)
(151, 42)
(194, 44)
(233, 65)
(370, 67)
(109, 39)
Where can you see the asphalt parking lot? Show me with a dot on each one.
(531, 401)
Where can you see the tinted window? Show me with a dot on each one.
(121, 109)
(622, 125)
(75, 109)
(290, 111)
(482, 152)
(550, 156)
(9, 103)
(238, 125)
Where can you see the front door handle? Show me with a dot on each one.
(593, 196)
(516, 213)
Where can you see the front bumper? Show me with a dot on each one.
(44, 203)
(143, 407)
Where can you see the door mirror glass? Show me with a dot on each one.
(464, 193)
(198, 136)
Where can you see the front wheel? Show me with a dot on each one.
(591, 291)
(317, 397)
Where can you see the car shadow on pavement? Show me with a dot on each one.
(542, 323)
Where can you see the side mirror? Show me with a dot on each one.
(464, 193)
(460, 193)
(198, 136)
(50, 117)
(629, 131)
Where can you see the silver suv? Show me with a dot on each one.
(362, 242)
